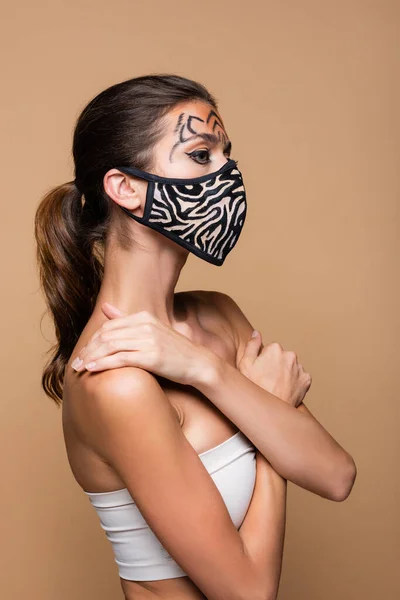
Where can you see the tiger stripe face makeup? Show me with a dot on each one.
(211, 129)
(204, 214)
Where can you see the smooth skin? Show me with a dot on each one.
(121, 419)
(296, 444)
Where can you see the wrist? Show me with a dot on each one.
(208, 372)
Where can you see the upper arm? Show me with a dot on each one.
(133, 426)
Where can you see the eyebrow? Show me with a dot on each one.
(212, 138)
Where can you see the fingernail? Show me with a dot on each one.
(255, 332)
(76, 363)
(90, 365)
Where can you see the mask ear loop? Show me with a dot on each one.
(147, 206)
(149, 200)
(230, 164)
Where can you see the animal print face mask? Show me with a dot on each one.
(204, 214)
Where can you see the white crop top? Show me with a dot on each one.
(137, 551)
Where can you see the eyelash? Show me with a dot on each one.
(195, 153)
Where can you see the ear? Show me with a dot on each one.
(125, 190)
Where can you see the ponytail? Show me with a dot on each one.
(119, 126)
(70, 274)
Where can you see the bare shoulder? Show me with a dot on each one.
(232, 315)
(106, 398)
(124, 383)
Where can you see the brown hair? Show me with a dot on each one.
(119, 126)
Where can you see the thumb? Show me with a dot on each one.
(252, 348)
(112, 311)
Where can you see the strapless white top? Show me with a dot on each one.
(137, 551)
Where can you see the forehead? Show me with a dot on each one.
(193, 117)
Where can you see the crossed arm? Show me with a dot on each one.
(298, 447)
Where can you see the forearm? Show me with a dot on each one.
(297, 445)
(263, 528)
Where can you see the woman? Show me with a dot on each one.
(180, 426)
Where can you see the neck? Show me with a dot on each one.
(142, 279)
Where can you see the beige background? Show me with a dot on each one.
(309, 95)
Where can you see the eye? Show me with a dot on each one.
(200, 156)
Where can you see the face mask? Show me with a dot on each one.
(204, 214)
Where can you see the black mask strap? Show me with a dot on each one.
(230, 164)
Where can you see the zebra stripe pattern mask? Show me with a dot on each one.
(204, 214)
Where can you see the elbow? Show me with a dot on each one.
(345, 480)
(265, 596)
(270, 595)
(271, 591)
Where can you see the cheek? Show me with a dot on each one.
(181, 166)
(143, 185)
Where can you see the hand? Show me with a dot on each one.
(276, 370)
(141, 340)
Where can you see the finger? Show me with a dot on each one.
(97, 338)
(253, 345)
(115, 361)
(112, 311)
(131, 326)
(111, 347)
(275, 346)
(105, 335)
(142, 316)
(139, 330)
